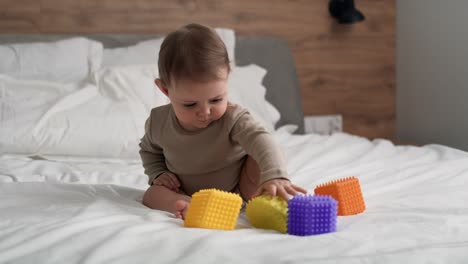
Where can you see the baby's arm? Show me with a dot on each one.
(262, 147)
(152, 156)
(168, 180)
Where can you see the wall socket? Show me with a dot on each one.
(323, 124)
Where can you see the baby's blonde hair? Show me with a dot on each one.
(193, 52)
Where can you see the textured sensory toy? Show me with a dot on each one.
(213, 209)
(267, 213)
(347, 192)
(311, 215)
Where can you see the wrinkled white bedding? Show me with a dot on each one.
(90, 211)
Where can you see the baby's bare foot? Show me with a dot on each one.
(181, 207)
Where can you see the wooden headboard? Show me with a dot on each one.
(342, 69)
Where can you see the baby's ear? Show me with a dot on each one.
(161, 86)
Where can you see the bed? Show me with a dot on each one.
(70, 200)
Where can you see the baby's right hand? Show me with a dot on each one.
(168, 180)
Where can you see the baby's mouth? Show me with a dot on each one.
(204, 122)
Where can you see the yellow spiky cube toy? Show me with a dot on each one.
(268, 213)
(213, 209)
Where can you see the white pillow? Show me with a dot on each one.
(135, 82)
(104, 119)
(68, 60)
(247, 90)
(23, 103)
(147, 52)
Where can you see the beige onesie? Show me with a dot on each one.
(211, 157)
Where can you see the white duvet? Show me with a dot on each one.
(90, 211)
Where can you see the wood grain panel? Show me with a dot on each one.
(19, 16)
(342, 69)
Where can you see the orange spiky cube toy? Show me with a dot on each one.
(347, 192)
(213, 209)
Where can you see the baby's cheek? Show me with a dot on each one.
(221, 110)
(219, 113)
(187, 116)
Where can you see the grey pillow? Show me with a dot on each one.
(280, 81)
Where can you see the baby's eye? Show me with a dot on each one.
(190, 105)
(216, 100)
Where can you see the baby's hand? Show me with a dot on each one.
(284, 188)
(168, 180)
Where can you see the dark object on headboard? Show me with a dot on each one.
(345, 11)
(270, 53)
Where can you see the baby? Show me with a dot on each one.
(201, 140)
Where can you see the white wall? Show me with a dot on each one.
(432, 72)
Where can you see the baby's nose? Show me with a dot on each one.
(205, 111)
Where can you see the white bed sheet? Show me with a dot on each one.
(90, 211)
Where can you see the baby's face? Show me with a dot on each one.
(197, 104)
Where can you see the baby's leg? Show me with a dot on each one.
(249, 178)
(161, 198)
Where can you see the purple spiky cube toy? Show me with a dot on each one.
(311, 215)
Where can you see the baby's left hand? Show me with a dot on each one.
(282, 187)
